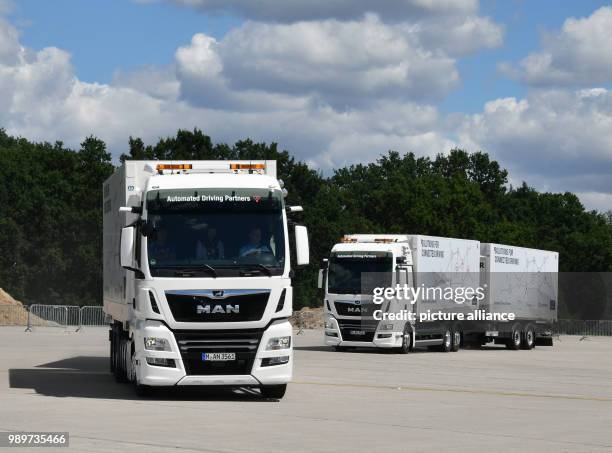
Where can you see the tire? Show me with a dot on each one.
(406, 346)
(528, 338)
(120, 349)
(447, 341)
(514, 342)
(456, 344)
(274, 391)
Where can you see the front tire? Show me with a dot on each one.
(274, 391)
(406, 346)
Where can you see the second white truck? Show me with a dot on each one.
(461, 291)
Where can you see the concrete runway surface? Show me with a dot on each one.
(555, 399)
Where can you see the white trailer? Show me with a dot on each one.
(458, 296)
(197, 274)
(524, 282)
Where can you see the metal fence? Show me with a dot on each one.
(63, 316)
(598, 327)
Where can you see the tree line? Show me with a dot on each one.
(51, 213)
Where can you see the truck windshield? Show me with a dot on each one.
(212, 232)
(347, 272)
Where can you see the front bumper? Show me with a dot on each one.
(381, 338)
(180, 374)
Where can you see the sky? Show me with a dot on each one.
(335, 82)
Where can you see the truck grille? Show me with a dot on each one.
(217, 305)
(242, 342)
(354, 330)
(349, 308)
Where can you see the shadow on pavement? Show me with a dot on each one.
(89, 377)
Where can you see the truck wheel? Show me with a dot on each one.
(514, 342)
(274, 391)
(120, 353)
(406, 341)
(447, 341)
(528, 340)
(456, 344)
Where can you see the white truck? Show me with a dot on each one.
(461, 291)
(197, 274)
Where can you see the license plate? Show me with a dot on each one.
(357, 332)
(218, 356)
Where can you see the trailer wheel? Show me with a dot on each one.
(274, 391)
(528, 340)
(406, 341)
(514, 342)
(456, 344)
(447, 341)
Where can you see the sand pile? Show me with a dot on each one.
(12, 312)
(308, 318)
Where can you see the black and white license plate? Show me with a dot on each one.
(218, 356)
(357, 332)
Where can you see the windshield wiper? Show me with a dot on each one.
(259, 266)
(182, 270)
(207, 267)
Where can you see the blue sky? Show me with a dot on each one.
(107, 35)
(333, 81)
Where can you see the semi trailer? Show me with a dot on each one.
(197, 274)
(405, 291)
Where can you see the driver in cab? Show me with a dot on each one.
(255, 246)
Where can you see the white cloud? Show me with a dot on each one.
(44, 100)
(315, 59)
(9, 42)
(554, 139)
(580, 54)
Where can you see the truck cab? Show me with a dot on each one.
(354, 267)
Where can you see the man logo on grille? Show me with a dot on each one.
(210, 309)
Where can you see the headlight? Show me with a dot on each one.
(278, 343)
(329, 324)
(386, 327)
(157, 344)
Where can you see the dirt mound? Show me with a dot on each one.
(308, 318)
(12, 312)
(7, 299)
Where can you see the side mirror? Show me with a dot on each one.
(127, 247)
(324, 266)
(302, 251)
